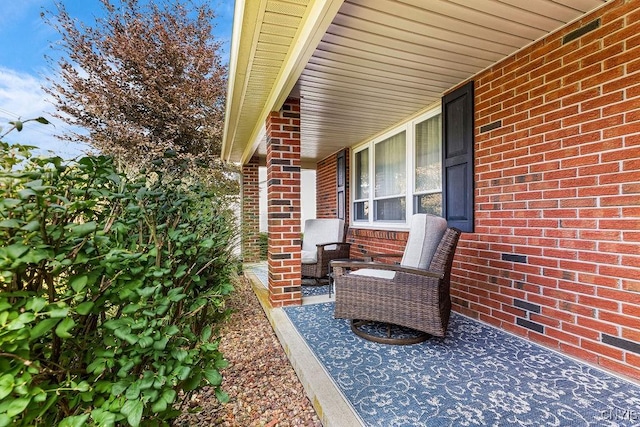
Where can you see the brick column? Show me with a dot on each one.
(283, 203)
(250, 212)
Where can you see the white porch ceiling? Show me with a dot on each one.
(382, 61)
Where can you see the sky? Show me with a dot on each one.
(25, 38)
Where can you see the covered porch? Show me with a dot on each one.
(534, 111)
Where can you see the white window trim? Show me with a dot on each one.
(409, 128)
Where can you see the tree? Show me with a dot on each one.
(145, 81)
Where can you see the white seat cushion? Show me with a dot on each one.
(318, 231)
(372, 272)
(309, 257)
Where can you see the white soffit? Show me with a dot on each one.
(382, 61)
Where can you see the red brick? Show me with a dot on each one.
(623, 368)
(579, 353)
(601, 349)
(627, 321)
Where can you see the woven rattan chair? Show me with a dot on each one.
(324, 240)
(408, 295)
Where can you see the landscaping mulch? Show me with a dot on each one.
(262, 386)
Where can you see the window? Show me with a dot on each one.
(428, 170)
(361, 203)
(391, 178)
(399, 173)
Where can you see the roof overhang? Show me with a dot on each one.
(271, 44)
(361, 67)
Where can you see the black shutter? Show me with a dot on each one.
(341, 184)
(457, 155)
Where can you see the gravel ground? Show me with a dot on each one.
(262, 386)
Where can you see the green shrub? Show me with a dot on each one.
(264, 245)
(109, 287)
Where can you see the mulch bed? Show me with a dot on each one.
(263, 387)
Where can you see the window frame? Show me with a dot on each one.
(410, 152)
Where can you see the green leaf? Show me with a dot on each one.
(133, 392)
(169, 396)
(58, 312)
(145, 342)
(160, 344)
(103, 418)
(78, 283)
(182, 372)
(97, 366)
(81, 230)
(21, 321)
(74, 421)
(84, 308)
(35, 304)
(5, 420)
(10, 223)
(16, 406)
(213, 376)
(25, 193)
(222, 396)
(159, 406)
(42, 327)
(42, 120)
(31, 226)
(16, 250)
(118, 388)
(6, 385)
(179, 354)
(133, 411)
(62, 330)
(206, 333)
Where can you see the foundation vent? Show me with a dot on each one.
(581, 31)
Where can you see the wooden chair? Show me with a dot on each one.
(414, 294)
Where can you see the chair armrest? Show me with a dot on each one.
(334, 243)
(382, 266)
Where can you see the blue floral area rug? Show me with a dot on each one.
(476, 376)
(311, 290)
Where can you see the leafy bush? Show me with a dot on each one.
(264, 245)
(108, 289)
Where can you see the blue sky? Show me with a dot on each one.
(25, 39)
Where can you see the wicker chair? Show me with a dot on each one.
(324, 240)
(408, 295)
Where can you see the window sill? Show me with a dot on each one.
(380, 226)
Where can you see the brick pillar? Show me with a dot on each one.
(250, 212)
(283, 204)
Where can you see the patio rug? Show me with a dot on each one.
(477, 375)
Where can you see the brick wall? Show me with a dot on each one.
(250, 212)
(326, 204)
(283, 204)
(556, 253)
(377, 241)
(326, 172)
